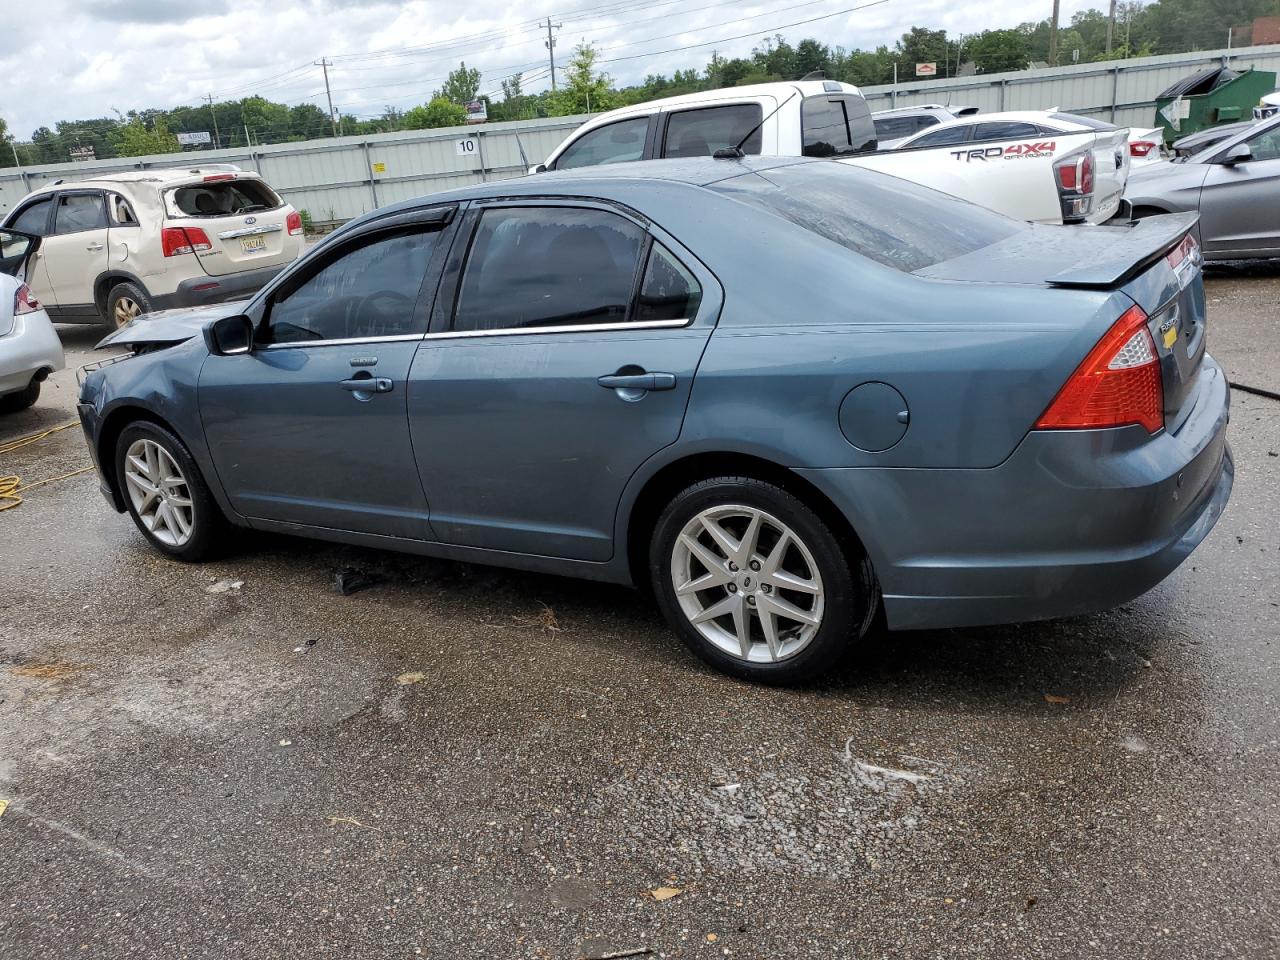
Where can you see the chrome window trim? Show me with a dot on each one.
(251, 231)
(565, 328)
(397, 338)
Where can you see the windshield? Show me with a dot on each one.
(893, 222)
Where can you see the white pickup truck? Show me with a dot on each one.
(1043, 166)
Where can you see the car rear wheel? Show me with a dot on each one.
(13, 402)
(166, 494)
(126, 301)
(756, 583)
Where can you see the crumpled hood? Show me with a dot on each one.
(167, 327)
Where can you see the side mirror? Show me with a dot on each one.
(1237, 154)
(538, 168)
(229, 336)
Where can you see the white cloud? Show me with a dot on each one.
(132, 54)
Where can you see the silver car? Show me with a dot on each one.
(1234, 185)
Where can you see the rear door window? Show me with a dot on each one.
(370, 290)
(532, 267)
(34, 218)
(944, 137)
(78, 212)
(613, 143)
(836, 126)
(224, 198)
(1005, 130)
(701, 132)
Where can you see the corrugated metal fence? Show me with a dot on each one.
(1119, 91)
(340, 178)
(343, 177)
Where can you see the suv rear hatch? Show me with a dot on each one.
(245, 223)
(1155, 262)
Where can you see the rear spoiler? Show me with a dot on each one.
(1083, 256)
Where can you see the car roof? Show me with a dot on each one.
(806, 88)
(917, 108)
(163, 176)
(589, 182)
(1029, 116)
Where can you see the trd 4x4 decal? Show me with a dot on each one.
(1017, 151)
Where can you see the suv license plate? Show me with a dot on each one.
(253, 244)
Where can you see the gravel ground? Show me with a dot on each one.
(470, 763)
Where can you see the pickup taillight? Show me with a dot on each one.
(1075, 185)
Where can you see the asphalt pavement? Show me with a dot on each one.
(236, 760)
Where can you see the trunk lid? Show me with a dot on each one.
(1153, 261)
(244, 220)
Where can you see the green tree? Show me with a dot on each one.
(584, 90)
(920, 45)
(461, 85)
(135, 139)
(440, 112)
(998, 51)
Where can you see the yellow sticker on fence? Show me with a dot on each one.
(379, 168)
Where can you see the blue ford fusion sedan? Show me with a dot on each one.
(782, 394)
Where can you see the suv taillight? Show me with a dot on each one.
(24, 301)
(293, 223)
(179, 240)
(1118, 383)
(1140, 148)
(1075, 185)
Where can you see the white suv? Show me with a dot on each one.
(124, 244)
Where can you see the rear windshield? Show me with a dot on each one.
(836, 126)
(1089, 122)
(225, 198)
(891, 221)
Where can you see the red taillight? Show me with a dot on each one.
(1076, 175)
(1187, 248)
(175, 241)
(24, 301)
(293, 223)
(1119, 382)
(1140, 148)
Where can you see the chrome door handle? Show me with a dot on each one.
(638, 381)
(94, 247)
(367, 384)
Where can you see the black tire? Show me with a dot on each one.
(209, 529)
(121, 300)
(849, 589)
(13, 402)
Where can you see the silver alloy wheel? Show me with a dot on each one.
(159, 492)
(747, 583)
(126, 309)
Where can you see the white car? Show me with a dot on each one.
(123, 244)
(1042, 166)
(29, 348)
(896, 125)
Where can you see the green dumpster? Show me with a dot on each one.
(1210, 97)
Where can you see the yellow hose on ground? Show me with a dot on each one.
(12, 485)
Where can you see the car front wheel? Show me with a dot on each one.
(166, 495)
(756, 583)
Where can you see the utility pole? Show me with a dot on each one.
(217, 142)
(550, 44)
(1111, 25)
(1053, 36)
(248, 140)
(325, 63)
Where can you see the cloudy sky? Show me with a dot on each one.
(105, 55)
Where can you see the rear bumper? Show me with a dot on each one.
(1072, 523)
(200, 291)
(31, 349)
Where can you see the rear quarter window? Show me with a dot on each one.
(836, 126)
(224, 198)
(894, 222)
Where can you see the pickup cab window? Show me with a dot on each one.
(943, 137)
(704, 130)
(836, 126)
(612, 143)
(1005, 130)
